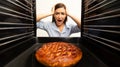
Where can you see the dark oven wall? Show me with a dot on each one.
(16, 28)
(101, 29)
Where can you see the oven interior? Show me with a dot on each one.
(99, 41)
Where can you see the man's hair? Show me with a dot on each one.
(59, 5)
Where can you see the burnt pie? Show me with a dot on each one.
(58, 54)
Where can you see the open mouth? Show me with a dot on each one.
(59, 20)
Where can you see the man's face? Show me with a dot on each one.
(60, 15)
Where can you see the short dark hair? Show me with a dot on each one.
(59, 5)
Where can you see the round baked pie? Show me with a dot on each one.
(58, 54)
